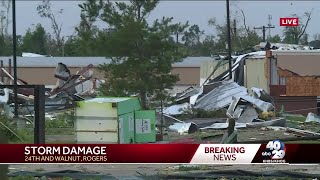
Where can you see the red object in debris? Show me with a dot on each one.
(159, 137)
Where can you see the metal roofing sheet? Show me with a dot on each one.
(193, 61)
(221, 96)
(53, 61)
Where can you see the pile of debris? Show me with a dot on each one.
(249, 111)
(255, 111)
(69, 88)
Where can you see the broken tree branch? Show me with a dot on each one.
(304, 27)
(244, 22)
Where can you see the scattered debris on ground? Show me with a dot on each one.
(254, 116)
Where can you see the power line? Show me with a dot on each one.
(263, 28)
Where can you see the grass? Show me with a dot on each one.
(197, 135)
(62, 142)
(296, 119)
(299, 123)
(32, 178)
(60, 131)
(62, 125)
(194, 168)
(22, 178)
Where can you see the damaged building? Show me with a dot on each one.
(294, 80)
(289, 75)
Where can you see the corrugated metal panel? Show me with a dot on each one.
(221, 96)
(255, 74)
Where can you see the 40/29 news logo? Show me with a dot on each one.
(275, 152)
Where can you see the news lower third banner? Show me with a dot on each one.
(273, 152)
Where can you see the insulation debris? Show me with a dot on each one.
(261, 94)
(224, 126)
(177, 109)
(4, 97)
(259, 104)
(312, 118)
(184, 128)
(274, 122)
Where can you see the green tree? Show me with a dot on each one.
(6, 45)
(193, 36)
(142, 54)
(71, 47)
(35, 41)
(192, 40)
(241, 36)
(274, 39)
(207, 47)
(293, 35)
(90, 40)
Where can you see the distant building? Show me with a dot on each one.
(40, 70)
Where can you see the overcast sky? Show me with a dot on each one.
(196, 12)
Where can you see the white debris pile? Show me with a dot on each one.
(183, 128)
(177, 109)
(313, 118)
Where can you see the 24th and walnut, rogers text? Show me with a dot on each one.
(65, 154)
(50, 158)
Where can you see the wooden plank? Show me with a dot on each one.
(302, 86)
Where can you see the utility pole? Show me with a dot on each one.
(269, 24)
(14, 44)
(235, 28)
(177, 36)
(263, 28)
(229, 40)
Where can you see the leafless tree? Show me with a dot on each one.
(5, 21)
(244, 22)
(294, 34)
(303, 28)
(45, 11)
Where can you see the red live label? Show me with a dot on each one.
(289, 22)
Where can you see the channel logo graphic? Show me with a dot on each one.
(275, 152)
